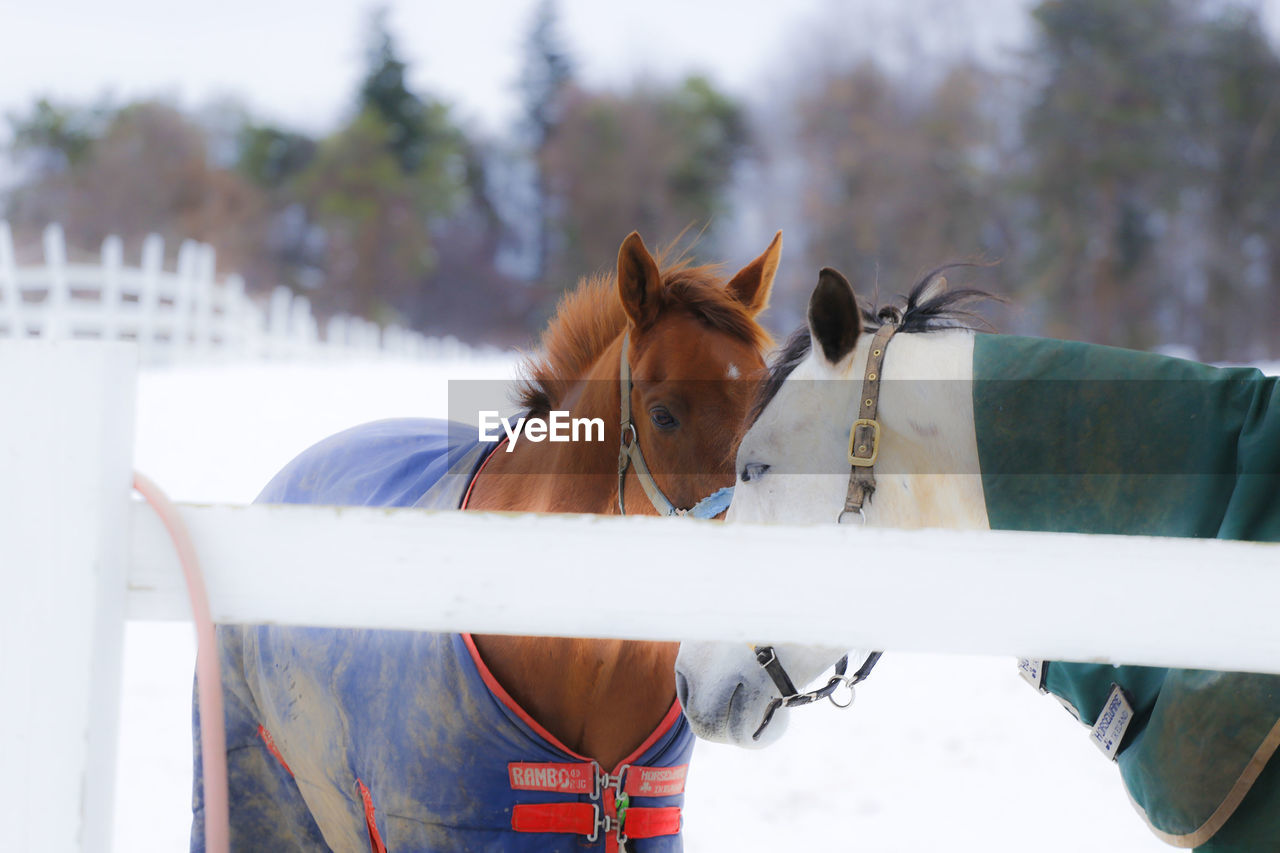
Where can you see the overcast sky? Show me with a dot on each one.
(297, 61)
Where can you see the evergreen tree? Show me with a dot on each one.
(544, 84)
(1240, 138)
(57, 137)
(270, 156)
(1111, 136)
(389, 191)
(385, 92)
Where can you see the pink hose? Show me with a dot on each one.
(213, 738)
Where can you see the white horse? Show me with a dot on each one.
(991, 431)
(793, 467)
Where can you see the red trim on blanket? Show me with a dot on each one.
(467, 497)
(271, 748)
(505, 698)
(370, 821)
(673, 715)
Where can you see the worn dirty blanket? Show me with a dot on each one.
(352, 740)
(1081, 438)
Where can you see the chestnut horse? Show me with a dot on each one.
(688, 335)
(375, 740)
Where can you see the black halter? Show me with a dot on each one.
(792, 698)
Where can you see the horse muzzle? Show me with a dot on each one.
(726, 708)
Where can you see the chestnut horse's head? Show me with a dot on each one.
(688, 346)
(693, 356)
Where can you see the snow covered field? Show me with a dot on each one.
(940, 752)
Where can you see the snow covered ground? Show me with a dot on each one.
(940, 752)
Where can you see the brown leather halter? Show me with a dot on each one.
(864, 450)
(864, 435)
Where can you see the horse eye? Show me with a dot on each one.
(662, 418)
(753, 471)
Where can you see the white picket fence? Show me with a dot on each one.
(80, 557)
(183, 314)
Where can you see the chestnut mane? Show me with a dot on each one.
(590, 317)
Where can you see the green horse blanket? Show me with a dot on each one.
(1081, 438)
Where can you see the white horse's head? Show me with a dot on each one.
(793, 466)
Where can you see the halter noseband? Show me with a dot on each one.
(864, 449)
(792, 698)
(629, 454)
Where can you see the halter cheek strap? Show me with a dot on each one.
(629, 455)
(864, 435)
(864, 450)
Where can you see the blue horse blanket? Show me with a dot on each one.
(356, 740)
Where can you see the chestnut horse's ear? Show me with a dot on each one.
(834, 319)
(639, 284)
(753, 282)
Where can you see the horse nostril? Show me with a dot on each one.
(728, 711)
(682, 689)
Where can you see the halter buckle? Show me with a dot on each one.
(864, 461)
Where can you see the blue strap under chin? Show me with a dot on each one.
(713, 504)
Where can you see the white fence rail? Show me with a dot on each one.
(80, 557)
(937, 591)
(180, 314)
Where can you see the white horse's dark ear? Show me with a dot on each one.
(639, 283)
(834, 319)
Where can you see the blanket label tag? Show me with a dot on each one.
(656, 781)
(1032, 672)
(560, 778)
(1108, 731)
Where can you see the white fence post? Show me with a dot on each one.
(278, 322)
(182, 297)
(302, 332)
(203, 291)
(236, 318)
(65, 473)
(10, 295)
(335, 335)
(111, 304)
(55, 259)
(149, 295)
